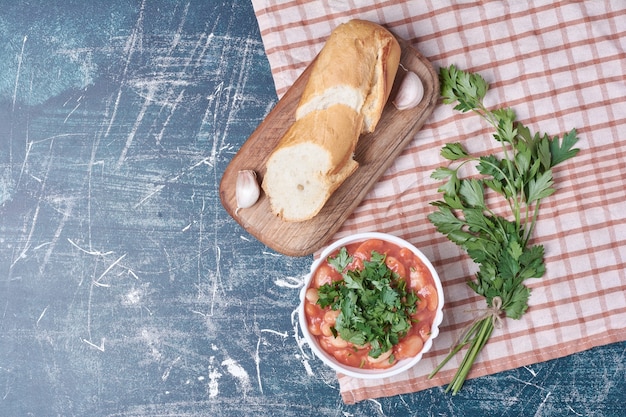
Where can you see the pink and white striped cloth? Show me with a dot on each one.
(559, 65)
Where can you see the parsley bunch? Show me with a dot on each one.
(375, 306)
(522, 174)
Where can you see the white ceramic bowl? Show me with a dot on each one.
(401, 365)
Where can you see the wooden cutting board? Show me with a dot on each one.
(374, 152)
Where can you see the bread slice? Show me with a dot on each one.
(344, 97)
(312, 159)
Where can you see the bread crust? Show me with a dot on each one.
(359, 55)
(344, 97)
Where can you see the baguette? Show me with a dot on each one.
(344, 97)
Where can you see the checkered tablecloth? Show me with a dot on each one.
(559, 65)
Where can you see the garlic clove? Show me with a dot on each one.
(410, 92)
(247, 190)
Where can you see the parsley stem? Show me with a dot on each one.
(529, 230)
(493, 120)
(484, 329)
(443, 363)
(476, 336)
(516, 198)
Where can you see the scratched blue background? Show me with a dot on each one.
(125, 288)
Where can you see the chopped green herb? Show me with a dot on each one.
(499, 245)
(374, 302)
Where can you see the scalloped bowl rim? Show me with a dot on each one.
(402, 365)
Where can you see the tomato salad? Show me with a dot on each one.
(408, 275)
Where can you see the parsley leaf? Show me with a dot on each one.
(454, 151)
(341, 260)
(374, 303)
(562, 152)
(540, 187)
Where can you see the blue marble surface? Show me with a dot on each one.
(125, 288)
